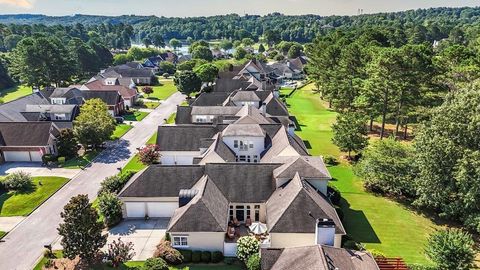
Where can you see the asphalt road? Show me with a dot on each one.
(23, 245)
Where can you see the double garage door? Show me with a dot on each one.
(29, 156)
(152, 209)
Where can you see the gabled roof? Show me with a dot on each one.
(289, 207)
(27, 133)
(307, 166)
(318, 257)
(184, 115)
(12, 111)
(275, 107)
(162, 181)
(111, 98)
(210, 99)
(124, 91)
(244, 96)
(243, 130)
(251, 115)
(127, 72)
(215, 110)
(206, 212)
(50, 108)
(184, 137)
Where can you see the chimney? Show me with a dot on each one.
(325, 232)
(185, 196)
(264, 109)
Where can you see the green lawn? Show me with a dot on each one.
(80, 162)
(2, 234)
(15, 92)
(135, 116)
(151, 104)
(171, 118)
(153, 139)
(22, 204)
(134, 165)
(163, 91)
(120, 130)
(377, 222)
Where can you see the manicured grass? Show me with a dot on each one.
(171, 118)
(43, 261)
(134, 165)
(80, 162)
(2, 234)
(377, 222)
(153, 139)
(163, 91)
(135, 116)
(23, 203)
(120, 130)
(151, 105)
(15, 92)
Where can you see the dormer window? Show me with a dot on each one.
(235, 144)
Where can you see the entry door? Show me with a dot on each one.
(240, 213)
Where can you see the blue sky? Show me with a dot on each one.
(184, 8)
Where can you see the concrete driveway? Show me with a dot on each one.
(145, 235)
(36, 169)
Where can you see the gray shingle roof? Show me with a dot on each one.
(206, 212)
(162, 181)
(215, 110)
(111, 98)
(289, 207)
(247, 130)
(51, 108)
(26, 133)
(245, 96)
(184, 137)
(211, 99)
(307, 166)
(12, 111)
(184, 115)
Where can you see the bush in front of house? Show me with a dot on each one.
(247, 246)
(18, 181)
(206, 256)
(187, 255)
(149, 154)
(115, 183)
(168, 253)
(217, 256)
(155, 264)
(110, 208)
(119, 252)
(196, 256)
(253, 262)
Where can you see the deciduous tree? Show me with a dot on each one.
(349, 132)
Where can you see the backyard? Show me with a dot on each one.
(379, 223)
(23, 203)
(15, 92)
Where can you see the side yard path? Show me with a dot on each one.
(23, 246)
(379, 223)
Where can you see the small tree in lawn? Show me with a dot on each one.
(81, 231)
(111, 208)
(94, 125)
(451, 249)
(147, 90)
(247, 246)
(187, 82)
(67, 144)
(149, 154)
(119, 252)
(349, 132)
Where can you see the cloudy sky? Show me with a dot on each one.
(184, 8)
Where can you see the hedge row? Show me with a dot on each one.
(198, 256)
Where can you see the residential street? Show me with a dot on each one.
(24, 244)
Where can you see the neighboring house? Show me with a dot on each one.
(154, 61)
(12, 111)
(316, 257)
(139, 75)
(184, 58)
(27, 141)
(288, 69)
(202, 201)
(129, 94)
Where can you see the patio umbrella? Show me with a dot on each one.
(258, 228)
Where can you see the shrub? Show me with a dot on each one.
(351, 244)
(451, 249)
(421, 267)
(18, 181)
(115, 183)
(139, 103)
(155, 264)
(119, 252)
(253, 262)
(196, 256)
(149, 154)
(206, 256)
(48, 158)
(376, 253)
(110, 207)
(217, 256)
(168, 253)
(330, 160)
(166, 75)
(334, 195)
(61, 160)
(187, 255)
(229, 260)
(246, 246)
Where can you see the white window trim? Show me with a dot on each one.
(180, 241)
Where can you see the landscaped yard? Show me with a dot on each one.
(120, 130)
(171, 118)
(153, 139)
(80, 162)
(2, 234)
(134, 165)
(377, 222)
(23, 203)
(15, 92)
(162, 91)
(135, 116)
(151, 104)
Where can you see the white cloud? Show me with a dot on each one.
(18, 3)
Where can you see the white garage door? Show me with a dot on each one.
(36, 156)
(135, 209)
(161, 209)
(17, 156)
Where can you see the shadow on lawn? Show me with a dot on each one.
(358, 226)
